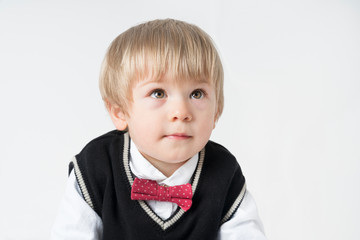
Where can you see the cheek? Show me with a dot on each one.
(151, 104)
(208, 126)
(207, 115)
(206, 108)
(201, 105)
(206, 119)
(143, 121)
(142, 132)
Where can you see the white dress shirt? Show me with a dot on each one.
(77, 220)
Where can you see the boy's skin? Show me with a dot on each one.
(162, 81)
(169, 120)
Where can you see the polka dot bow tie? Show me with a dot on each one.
(143, 189)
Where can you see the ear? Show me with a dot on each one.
(118, 117)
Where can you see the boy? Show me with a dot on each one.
(158, 176)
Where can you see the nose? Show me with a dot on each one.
(180, 110)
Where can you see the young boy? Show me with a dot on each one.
(158, 176)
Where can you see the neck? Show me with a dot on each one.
(164, 167)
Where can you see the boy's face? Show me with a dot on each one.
(170, 121)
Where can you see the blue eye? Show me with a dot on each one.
(197, 94)
(158, 93)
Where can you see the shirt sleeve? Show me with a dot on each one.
(76, 219)
(245, 223)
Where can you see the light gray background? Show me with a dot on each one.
(291, 116)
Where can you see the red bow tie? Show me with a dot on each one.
(143, 189)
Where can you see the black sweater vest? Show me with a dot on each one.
(103, 174)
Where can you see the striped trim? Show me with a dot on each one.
(235, 205)
(198, 171)
(126, 158)
(163, 224)
(81, 183)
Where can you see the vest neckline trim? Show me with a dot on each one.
(164, 224)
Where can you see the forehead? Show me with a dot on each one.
(173, 78)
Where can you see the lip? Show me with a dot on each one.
(178, 136)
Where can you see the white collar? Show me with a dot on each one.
(142, 168)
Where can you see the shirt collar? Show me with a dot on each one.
(142, 168)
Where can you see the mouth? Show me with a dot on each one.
(178, 136)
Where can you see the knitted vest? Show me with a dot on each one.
(103, 174)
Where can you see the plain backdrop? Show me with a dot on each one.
(292, 104)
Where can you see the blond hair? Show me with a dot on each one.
(154, 48)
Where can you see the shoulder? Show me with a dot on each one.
(222, 171)
(220, 155)
(222, 164)
(99, 152)
(94, 165)
(106, 140)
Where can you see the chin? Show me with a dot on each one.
(177, 159)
